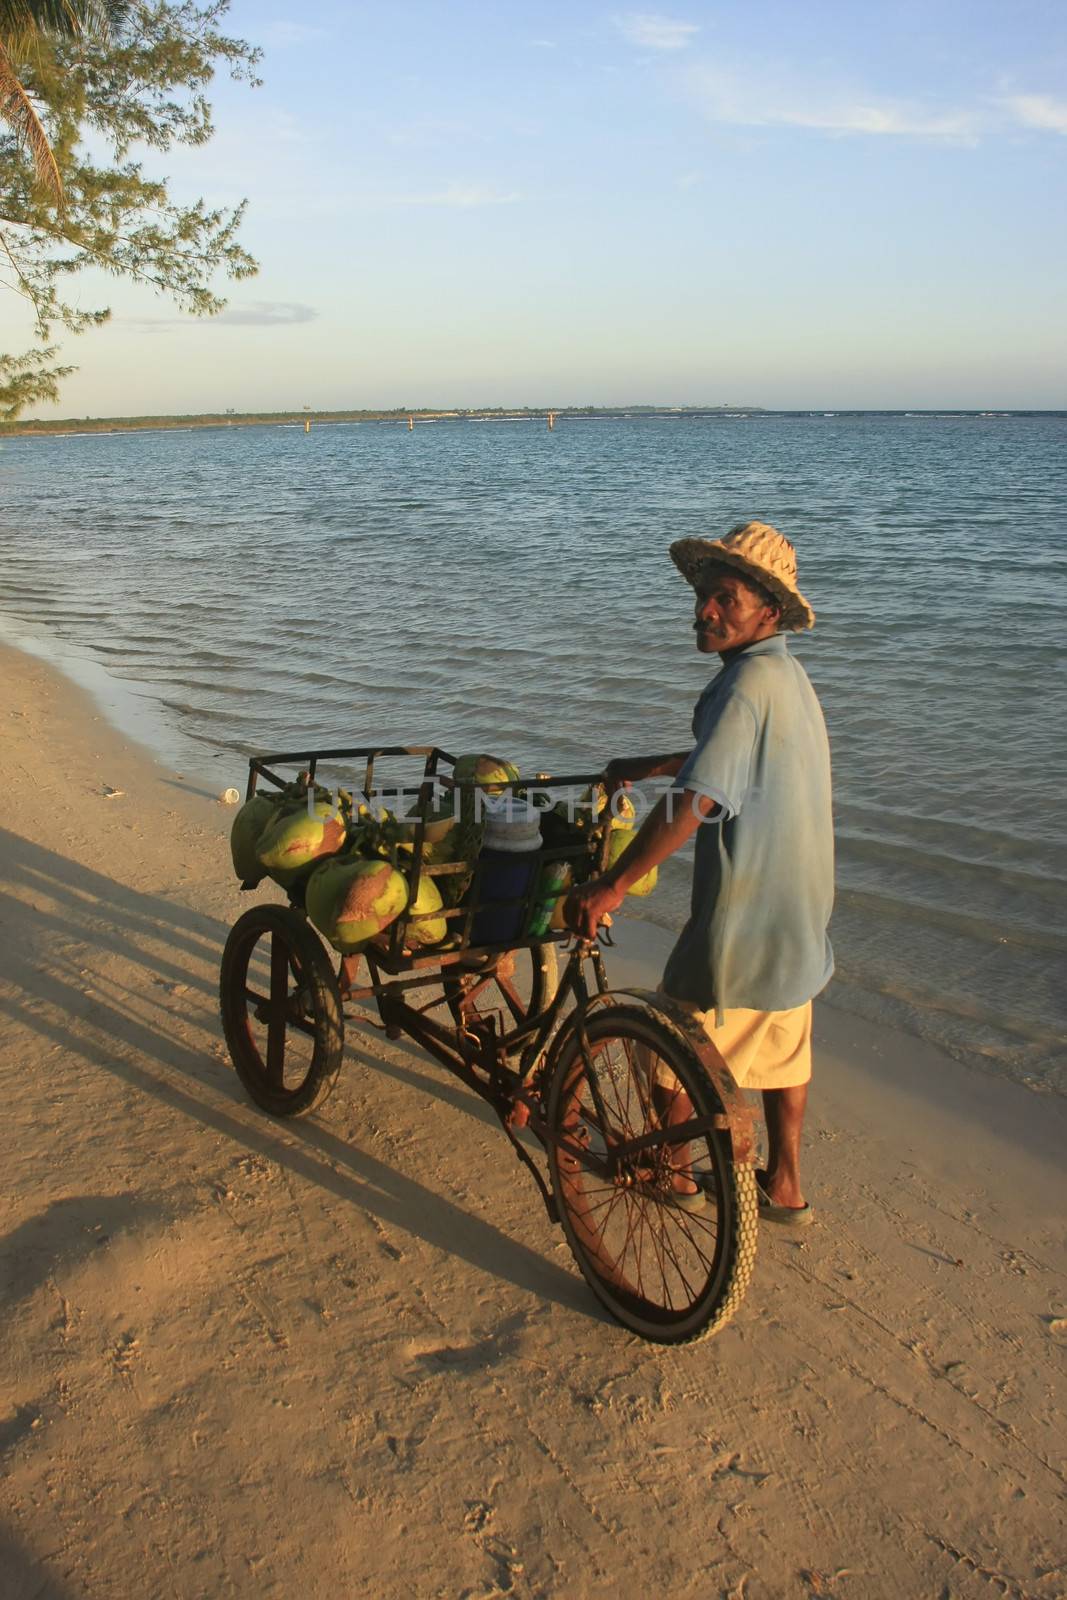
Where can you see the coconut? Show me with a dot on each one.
(248, 824)
(295, 839)
(592, 802)
(352, 901)
(623, 812)
(620, 841)
(428, 899)
(489, 774)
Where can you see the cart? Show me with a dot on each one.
(617, 1103)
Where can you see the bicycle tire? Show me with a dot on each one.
(669, 1274)
(267, 1034)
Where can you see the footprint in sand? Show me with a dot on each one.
(125, 1355)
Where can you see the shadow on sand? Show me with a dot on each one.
(24, 1577)
(127, 1032)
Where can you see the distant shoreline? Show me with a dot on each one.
(398, 416)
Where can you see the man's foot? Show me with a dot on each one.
(772, 1208)
(685, 1194)
(673, 1106)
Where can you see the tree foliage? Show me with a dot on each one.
(131, 75)
(22, 22)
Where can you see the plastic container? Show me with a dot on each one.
(512, 826)
(507, 864)
(556, 878)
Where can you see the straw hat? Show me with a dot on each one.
(759, 552)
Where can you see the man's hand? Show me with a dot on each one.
(627, 770)
(620, 774)
(658, 837)
(586, 907)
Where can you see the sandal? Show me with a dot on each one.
(680, 1201)
(788, 1216)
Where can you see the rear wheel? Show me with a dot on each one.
(508, 989)
(665, 1235)
(281, 1010)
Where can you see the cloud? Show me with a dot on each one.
(652, 31)
(256, 314)
(464, 196)
(1038, 111)
(724, 97)
(267, 314)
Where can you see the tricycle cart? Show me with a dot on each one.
(646, 1137)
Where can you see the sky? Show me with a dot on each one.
(840, 203)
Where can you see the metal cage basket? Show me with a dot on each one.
(481, 917)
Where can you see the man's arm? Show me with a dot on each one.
(634, 769)
(664, 831)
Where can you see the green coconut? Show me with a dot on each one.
(489, 774)
(620, 841)
(623, 813)
(295, 839)
(593, 800)
(248, 824)
(428, 899)
(352, 901)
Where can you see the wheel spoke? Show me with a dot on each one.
(664, 1271)
(636, 1219)
(668, 1250)
(641, 1231)
(688, 1220)
(279, 1008)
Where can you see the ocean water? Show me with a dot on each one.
(500, 587)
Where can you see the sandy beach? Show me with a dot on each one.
(349, 1355)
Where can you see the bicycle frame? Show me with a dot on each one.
(665, 1236)
(482, 1060)
(475, 1054)
(509, 1069)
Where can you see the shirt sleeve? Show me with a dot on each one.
(721, 764)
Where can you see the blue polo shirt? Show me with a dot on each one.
(763, 874)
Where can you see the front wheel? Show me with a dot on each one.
(664, 1234)
(281, 1010)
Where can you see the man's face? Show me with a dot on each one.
(729, 614)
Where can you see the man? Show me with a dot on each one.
(755, 790)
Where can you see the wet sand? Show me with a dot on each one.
(350, 1355)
